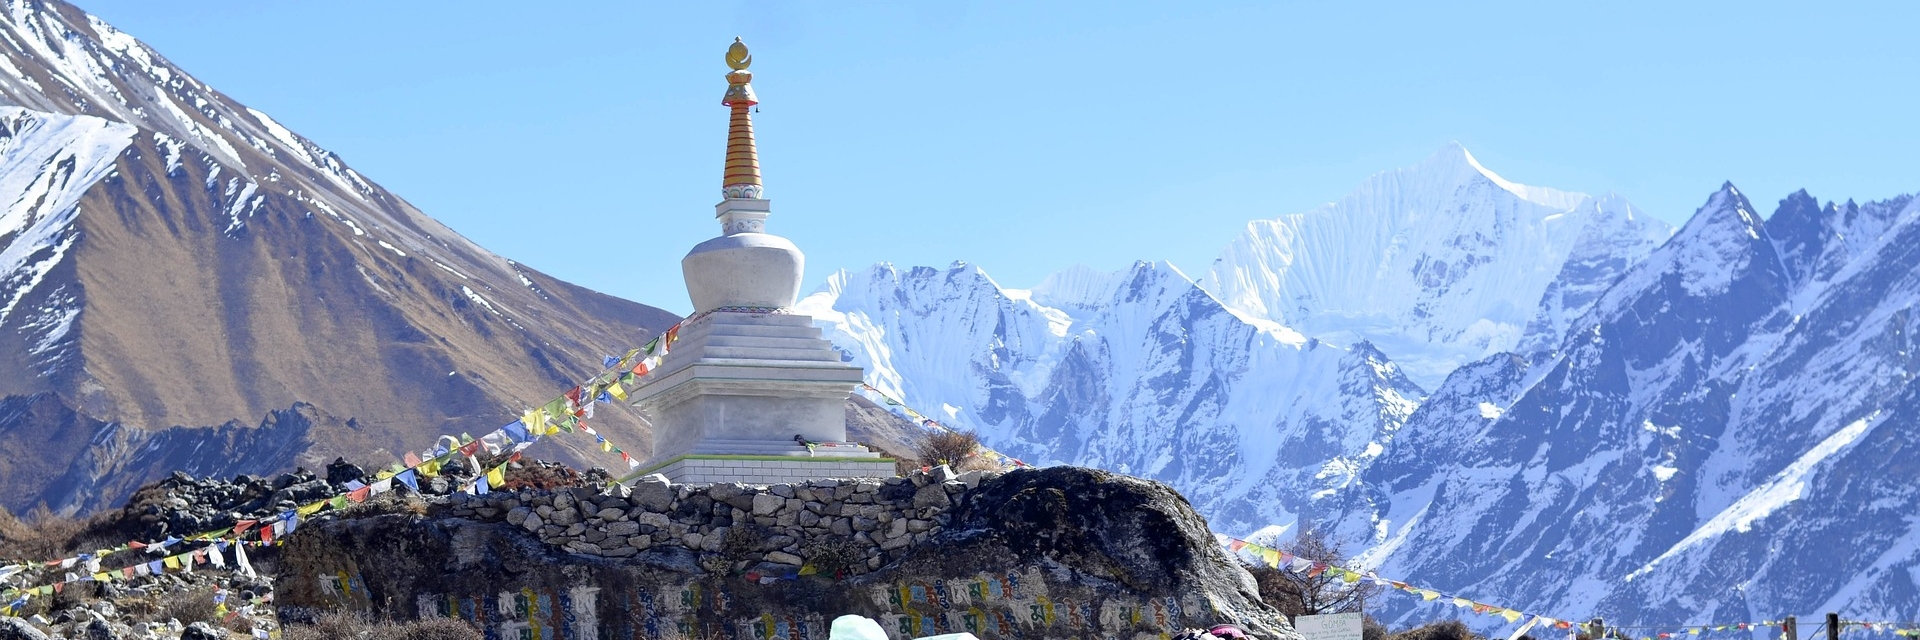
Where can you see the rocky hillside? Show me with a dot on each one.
(185, 283)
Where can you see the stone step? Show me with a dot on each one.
(769, 342)
(780, 448)
(756, 353)
(790, 319)
(803, 332)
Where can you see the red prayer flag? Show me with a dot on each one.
(243, 525)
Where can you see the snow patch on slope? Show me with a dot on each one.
(46, 164)
(1762, 501)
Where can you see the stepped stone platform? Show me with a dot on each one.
(742, 390)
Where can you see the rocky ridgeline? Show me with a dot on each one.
(853, 526)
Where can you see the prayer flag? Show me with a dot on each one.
(359, 495)
(607, 362)
(497, 476)
(479, 486)
(556, 408)
(409, 478)
(1523, 628)
(411, 459)
(382, 486)
(618, 393)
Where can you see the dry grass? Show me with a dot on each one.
(361, 627)
(190, 606)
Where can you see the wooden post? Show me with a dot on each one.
(1791, 629)
(1598, 627)
(1833, 626)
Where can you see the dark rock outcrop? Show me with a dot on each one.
(1055, 553)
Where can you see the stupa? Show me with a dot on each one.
(749, 391)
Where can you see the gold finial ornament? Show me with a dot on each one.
(738, 58)
(742, 177)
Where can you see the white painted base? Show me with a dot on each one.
(747, 383)
(764, 470)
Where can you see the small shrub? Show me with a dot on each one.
(834, 556)
(951, 448)
(39, 536)
(1371, 629)
(1442, 630)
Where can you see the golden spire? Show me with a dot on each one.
(742, 178)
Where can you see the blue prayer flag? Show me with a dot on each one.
(516, 430)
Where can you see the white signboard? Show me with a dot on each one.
(1333, 626)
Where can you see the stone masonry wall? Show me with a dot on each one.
(1032, 554)
(781, 522)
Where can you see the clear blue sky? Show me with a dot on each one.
(586, 140)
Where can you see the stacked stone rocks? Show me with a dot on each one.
(777, 526)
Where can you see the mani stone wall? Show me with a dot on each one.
(1061, 552)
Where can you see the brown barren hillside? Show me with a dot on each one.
(185, 284)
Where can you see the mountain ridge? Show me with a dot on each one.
(176, 261)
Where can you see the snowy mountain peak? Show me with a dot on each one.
(1458, 158)
(1438, 264)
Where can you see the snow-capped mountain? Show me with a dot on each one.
(1145, 371)
(1138, 371)
(176, 267)
(1730, 433)
(1437, 264)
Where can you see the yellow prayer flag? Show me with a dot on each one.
(1349, 577)
(430, 468)
(1272, 556)
(103, 577)
(1510, 615)
(1428, 594)
(807, 570)
(606, 445)
(310, 509)
(496, 477)
(617, 392)
(171, 562)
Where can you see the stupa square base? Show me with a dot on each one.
(764, 470)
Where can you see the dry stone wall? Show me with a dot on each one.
(1055, 553)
